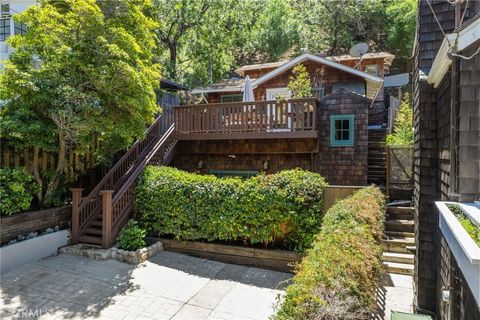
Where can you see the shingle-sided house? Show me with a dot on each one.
(446, 91)
(328, 133)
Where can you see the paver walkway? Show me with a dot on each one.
(168, 286)
(396, 293)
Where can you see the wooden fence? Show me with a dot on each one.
(75, 162)
(399, 182)
(337, 193)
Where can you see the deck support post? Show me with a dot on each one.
(107, 218)
(76, 197)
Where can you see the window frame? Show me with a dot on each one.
(231, 96)
(351, 128)
(372, 65)
(244, 174)
(321, 90)
(6, 26)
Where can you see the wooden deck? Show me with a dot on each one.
(295, 118)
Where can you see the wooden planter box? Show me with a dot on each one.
(33, 221)
(277, 260)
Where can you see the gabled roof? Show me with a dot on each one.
(269, 65)
(311, 57)
(343, 93)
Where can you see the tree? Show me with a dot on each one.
(299, 83)
(82, 73)
(403, 130)
(401, 23)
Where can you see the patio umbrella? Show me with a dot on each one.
(248, 91)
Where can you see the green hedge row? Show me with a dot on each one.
(338, 277)
(286, 207)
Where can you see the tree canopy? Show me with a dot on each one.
(201, 41)
(82, 73)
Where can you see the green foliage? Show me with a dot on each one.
(472, 229)
(299, 83)
(132, 237)
(403, 130)
(344, 267)
(285, 207)
(401, 23)
(82, 71)
(83, 74)
(17, 188)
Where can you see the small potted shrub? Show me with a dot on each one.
(132, 237)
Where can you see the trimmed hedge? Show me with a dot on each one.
(338, 277)
(286, 207)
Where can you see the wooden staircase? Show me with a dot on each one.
(98, 218)
(399, 240)
(377, 156)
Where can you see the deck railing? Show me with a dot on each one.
(241, 119)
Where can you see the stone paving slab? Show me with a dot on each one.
(395, 294)
(167, 286)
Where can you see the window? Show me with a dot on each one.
(231, 98)
(233, 173)
(4, 29)
(20, 28)
(5, 9)
(372, 69)
(358, 88)
(342, 130)
(318, 92)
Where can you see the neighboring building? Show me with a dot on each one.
(446, 92)
(328, 133)
(8, 27)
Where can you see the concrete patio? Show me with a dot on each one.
(168, 286)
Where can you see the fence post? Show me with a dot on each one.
(107, 218)
(388, 173)
(76, 197)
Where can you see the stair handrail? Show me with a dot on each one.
(141, 165)
(124, 196)
(151, 135)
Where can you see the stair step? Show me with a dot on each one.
(398, 244)
(397, 257)
(400, 225)
(401, 213)
(400, 268)
(90, 239)
(96, 223)
(399, 234)
(93, 231)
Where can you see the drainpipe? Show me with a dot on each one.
(453, 192)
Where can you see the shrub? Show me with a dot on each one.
(402, 135)
(343, 267)
(284, 207)
(17, 188)
(131, 237)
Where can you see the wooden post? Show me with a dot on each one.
(107, 218)
(388, 173)
(76, 197)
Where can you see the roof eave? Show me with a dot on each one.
(307, 56)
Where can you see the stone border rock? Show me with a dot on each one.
(97, 253)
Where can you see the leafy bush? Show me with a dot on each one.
(299, 82)
(472, 229)
(403, 130)
(285, 207)
(338, 276)
(131, 237)
(17, 188)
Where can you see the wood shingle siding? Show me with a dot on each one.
(435, 268)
